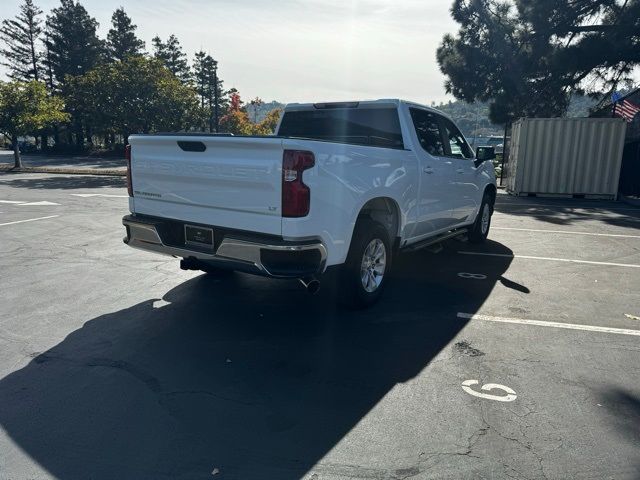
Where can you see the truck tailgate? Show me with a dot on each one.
(231, 182)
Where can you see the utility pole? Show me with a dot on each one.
(255, 103)
(475, 128)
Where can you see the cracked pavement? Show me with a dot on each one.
(116, 364)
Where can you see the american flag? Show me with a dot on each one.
(627, 110)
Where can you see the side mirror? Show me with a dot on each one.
(483, 154)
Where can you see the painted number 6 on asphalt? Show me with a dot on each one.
(487, 387)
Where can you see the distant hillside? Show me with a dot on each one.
(262, 110)
(473, 119)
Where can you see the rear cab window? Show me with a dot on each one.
(376, 127)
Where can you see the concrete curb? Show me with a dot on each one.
(8, 168)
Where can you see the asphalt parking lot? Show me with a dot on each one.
(116, 364)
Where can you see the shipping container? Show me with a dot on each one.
(566, 156)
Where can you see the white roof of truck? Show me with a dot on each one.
(395, 102)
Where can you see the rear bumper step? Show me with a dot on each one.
(281, 260)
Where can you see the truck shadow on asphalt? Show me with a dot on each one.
(622, 409)
(246, 378)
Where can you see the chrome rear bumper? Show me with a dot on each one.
(231, 252)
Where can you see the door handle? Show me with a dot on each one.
(427, 170)
(460, 170)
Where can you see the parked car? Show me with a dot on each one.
(497, 142)
(344, 185)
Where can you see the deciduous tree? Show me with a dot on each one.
(25, 108)
(136, 95)
(237, 120)
(268, 125)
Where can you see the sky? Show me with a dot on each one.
(299, 50)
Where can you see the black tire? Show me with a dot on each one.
(354, 294)
(479, 231)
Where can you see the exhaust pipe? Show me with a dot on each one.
(188, 264)
(311, 284)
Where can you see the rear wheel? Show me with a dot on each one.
(479, 231)
(364, 274)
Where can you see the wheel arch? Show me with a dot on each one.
(384, 210)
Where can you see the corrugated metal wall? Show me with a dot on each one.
(566, 156)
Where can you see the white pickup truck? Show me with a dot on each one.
(339, 184)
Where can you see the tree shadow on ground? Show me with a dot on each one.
(248, 376)
(72, 161)
(568, 212)
(62, 182)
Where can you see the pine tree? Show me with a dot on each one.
(209, 87)
(73, 45)
(121, 39)
(20, 37)
(527, 57)
(173, 57)
(200, 76)
(47, 60)
(73, 48)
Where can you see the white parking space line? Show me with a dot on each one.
(22, 203)
(553, 259)
(542, 323)
(566, 232)
(37, 204)
(28, 220)
(106, 195)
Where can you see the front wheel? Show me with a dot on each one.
(365, 272)
(479, 231)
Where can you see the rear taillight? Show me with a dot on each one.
(296, 196)
(127, 155)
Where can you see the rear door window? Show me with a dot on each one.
(378, 127)
(428, 131)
